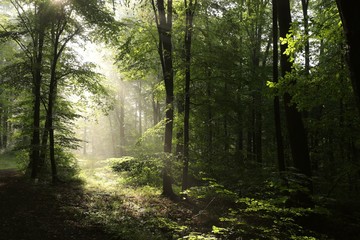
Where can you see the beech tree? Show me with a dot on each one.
(296, 130)
(277, 114)
(350, 18)
(189, 18)
(163, 18)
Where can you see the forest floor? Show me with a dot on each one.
(102, 205)
(94, 207)
(37, 211)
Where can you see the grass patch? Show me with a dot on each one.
(8, 160)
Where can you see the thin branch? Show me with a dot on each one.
(21, 45)
(21, 16)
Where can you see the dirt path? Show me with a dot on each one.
(39, 211)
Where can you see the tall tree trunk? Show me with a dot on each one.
(240, 135)
(156, 104)
(350, 17)
(44, 144)
(305, 6)
(37, 80)
(140, 108)
(85, 137)
(111, 133)
(256, 10)
(1, 126)
(277, 115)
(258, 129)
(251, 133)
(121, 118)
(188, 40)
(225, 123)
(50, 110)
(58, 47)
(4, 127)
(164, 25)
(209, 89)
(296, 130)
(156, 110)
(179, 151)
(210, 127)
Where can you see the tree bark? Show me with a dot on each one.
(1, 126)
(179, 151)
(189, 11)
(350, 17)
(85, 137)
(140, 108)
(164, 25)
(121, 116)
(37, 80)
(305, 5)
(4, 126)
(277, 115)
(58, 47)
(296, 130)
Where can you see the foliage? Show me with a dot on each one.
(141, 170)
(8, 161)
(264, 215)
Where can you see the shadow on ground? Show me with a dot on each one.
(40, 211)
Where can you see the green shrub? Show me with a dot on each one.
(141, 170)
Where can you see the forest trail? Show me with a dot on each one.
(39, 211)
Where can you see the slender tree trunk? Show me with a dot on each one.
(111, 133)
(156, 110)
(226, 133)
(122, 122)
(210, 132)
(164, 25)
(209, 89)
(350, 17)
(240, 117)
(50, 111)
(179, 151)
(225, 124)
(37, 80)
(258, 129)
(250, 133)
(44, 144)
(140, 109)
(257, 10)
(1, 126)
(58, 48)
(305, 5)
(296, 130)
(240, 132)
(4, 126)
(277, 115)
(85, 137)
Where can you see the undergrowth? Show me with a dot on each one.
(8, 160)
(124, 196)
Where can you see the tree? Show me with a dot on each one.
(59, 23)
(277, 115)
(189, 11)
(350, 18)
(38, 38)
(296, 130)
(163, 20)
